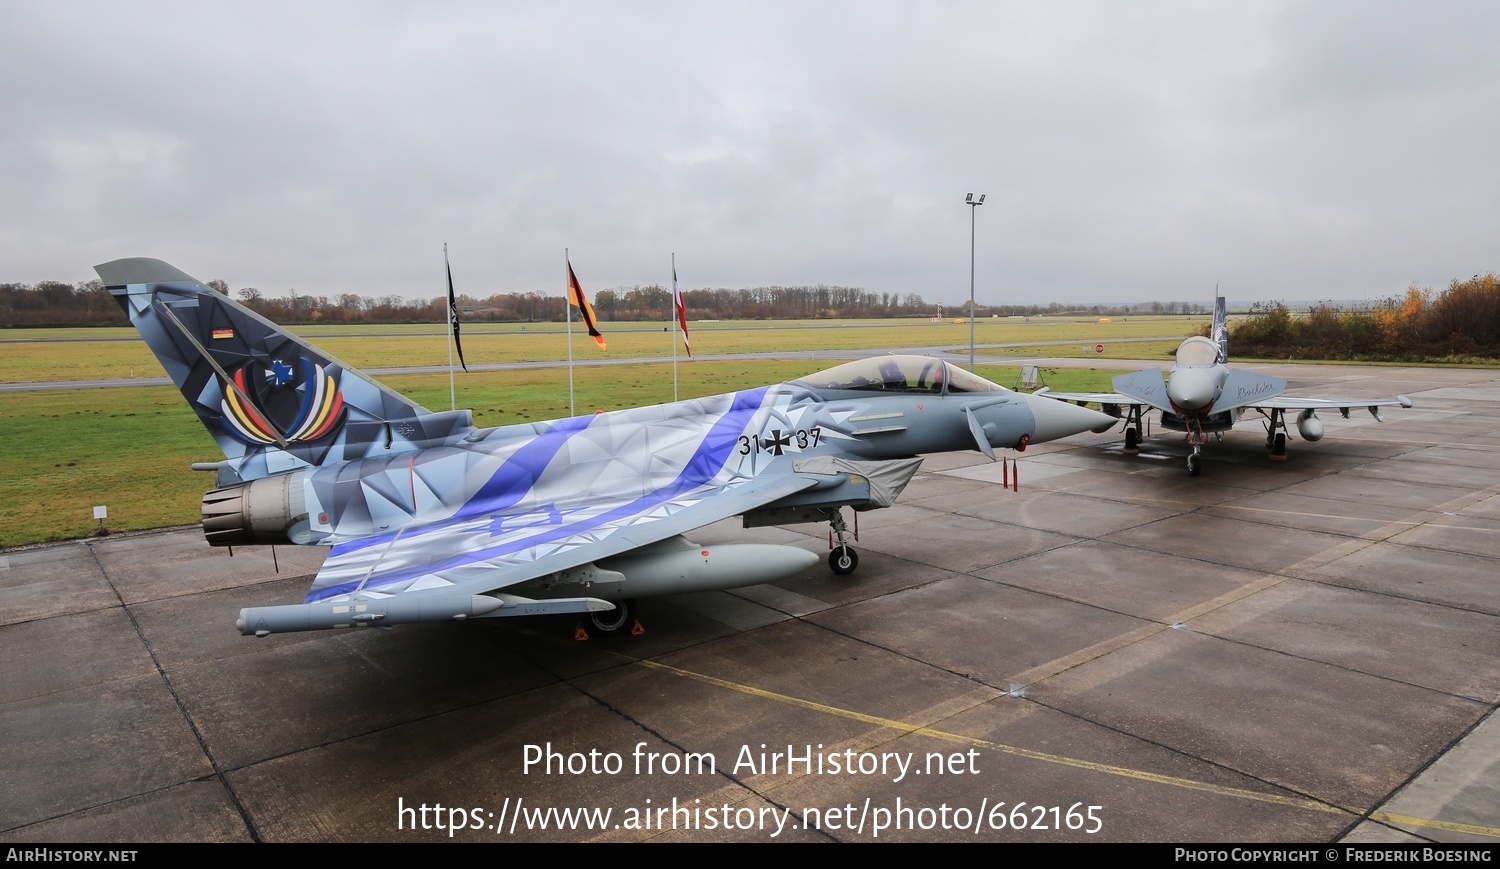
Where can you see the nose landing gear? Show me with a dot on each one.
(842, 559)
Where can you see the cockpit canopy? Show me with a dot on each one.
(1197, 352)
(916, 375)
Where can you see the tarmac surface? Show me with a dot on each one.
(1297, 651)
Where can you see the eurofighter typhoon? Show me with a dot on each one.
(1202, 394)
(428, 518)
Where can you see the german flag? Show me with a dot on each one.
(585, 310)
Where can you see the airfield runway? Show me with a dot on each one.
(1305, 650)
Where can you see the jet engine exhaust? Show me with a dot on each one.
(269, 510)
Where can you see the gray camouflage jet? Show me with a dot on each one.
(428, 518)
(1202, 394)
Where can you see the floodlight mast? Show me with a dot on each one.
(973, 204)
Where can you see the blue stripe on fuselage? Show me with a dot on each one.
(511, 481)
(705, 464)
(518, 475)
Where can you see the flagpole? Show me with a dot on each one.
(568, 307)
(452, 390)
(673, 315)
(585, 315)
(679, 317)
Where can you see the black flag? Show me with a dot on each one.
(453, 314)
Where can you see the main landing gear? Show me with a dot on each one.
(612, 623)
(1276, 435)
(842, 559)
(1133, 430)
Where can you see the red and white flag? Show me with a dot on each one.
(679, 305)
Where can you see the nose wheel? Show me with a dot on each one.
(1195, 463)
(842, 559)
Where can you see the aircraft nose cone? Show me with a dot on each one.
(1191, 388)
(1059, 419)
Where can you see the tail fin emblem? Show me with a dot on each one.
(269, 401)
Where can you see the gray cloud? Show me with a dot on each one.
(1129, 151)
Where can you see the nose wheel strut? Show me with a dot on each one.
(842, 559)
(1195, 439)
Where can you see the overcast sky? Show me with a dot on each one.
(1128, 151)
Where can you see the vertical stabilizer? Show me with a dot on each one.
(271, 401)
(1220, 335)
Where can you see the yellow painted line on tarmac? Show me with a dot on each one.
(1315, 515)
(1076, 763)
(1451, 827)
(1430, 522)
(1108, 769)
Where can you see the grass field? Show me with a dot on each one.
(129, 449)
(24, 357)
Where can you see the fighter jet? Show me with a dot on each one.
(1202, 394)
(428, 518)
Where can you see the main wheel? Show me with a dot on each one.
(612, 622)
(1195, 464)
(843, 560)
(1132, 439)
(1278, 446)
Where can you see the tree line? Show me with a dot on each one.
(54, 303)
(1459, 324)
